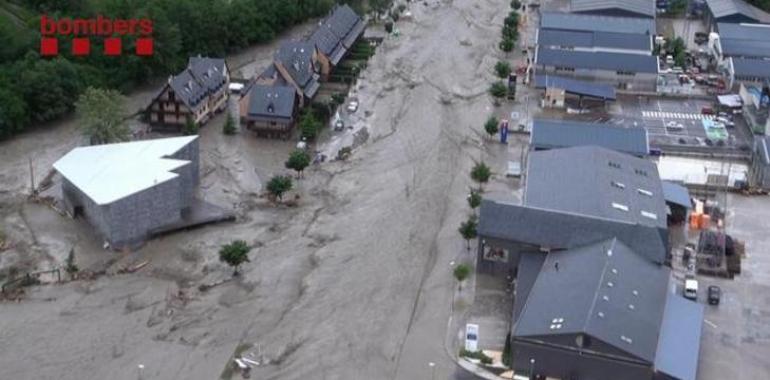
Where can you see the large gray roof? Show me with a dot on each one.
(576, 86)
(598, 182)
(590, 39)
(679, 339)
(726, 8)
(201, 77)
(336, 33)
(598, 23)
(758, 68)
(271, 102)
(638, 7)
(745, 40)
(550, 134)
(603, 290)
(597, 60)
(564, 230)
(297, 58)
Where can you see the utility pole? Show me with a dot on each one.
(31, 177)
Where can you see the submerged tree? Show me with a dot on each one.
(102, 117)
(235, 254)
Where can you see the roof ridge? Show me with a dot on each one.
(599, 285)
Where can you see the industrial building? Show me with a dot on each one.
(615, 51)
(131, 191)
(592, 298)
(622, 8)
(733, 11)
(555, 134)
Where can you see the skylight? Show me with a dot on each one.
(619, 185)
(650, 215)
(644, 192)
(619, 206)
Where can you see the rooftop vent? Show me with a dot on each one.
(631, 306)
(557, 320)
(644, 192)
(610, 284)
(555, 326)
(614, 271)
(600, 314)
(609, 252)
(619, 206)
(635, 293)
(606, 297)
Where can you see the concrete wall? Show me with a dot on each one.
(567, 364)
(643, 82)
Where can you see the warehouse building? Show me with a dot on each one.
(631, 72)
(130, 191)
(596, 23)
(621, 8)
(733, 11)
(555, 134)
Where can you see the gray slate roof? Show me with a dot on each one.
(564, 230)
(595, 181)
(758, 68)
(598, 61)
(271, 102)
(603, 290)
(201, 77)
(745, 40)
(576, 86)
(297, 57)
(598, 23)
(679, 339)
(337, 32)
(639, 7)
(551, 134)
(590, 39)
(676, 194)
(726, 8)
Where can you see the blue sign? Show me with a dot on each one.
(504, 132)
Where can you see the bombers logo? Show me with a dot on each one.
(82, 30)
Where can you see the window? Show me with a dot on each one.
(625, 73)
(640, 172)
(614, 165)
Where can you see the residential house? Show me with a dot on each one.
(195, 94)
(295, 64)
(269, 111)
(621, 8)
(335, 35)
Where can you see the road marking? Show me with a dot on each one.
(709, 323)
(674, 115)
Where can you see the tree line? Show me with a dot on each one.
(36, 90)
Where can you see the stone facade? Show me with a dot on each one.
(129, 221)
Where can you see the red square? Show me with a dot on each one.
(81, 46)
(144, 46)
(113, 46)
(49, 46)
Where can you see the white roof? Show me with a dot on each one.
(107, 173)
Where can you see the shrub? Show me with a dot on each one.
(502, 69)
(229, 127)
(498, 89)
(278, 185)
(235, 254)
(506, 45)
(491, 126)
(476, 355)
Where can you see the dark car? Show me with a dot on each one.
(714, 295)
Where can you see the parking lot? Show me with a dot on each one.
(675, 123)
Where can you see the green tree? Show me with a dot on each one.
(235, 254)
(102, 118)
(278, 185)
(515, 4)
(229, 127)
(474, 200)
(298, 161)
(70, 265)
(502, 69)
(481, 174)
(190, 127)
(506, 44)
(468, 230)
(498, 89)
(309, 126)
(461, 273)
(491, 126)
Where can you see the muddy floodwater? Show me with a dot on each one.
(353, 282)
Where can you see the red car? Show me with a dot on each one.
(707, 111)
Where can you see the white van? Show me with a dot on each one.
(691, 289)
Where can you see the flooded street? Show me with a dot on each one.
(354, 282)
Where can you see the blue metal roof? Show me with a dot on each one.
(679, 340)
(677, 194)
(636, 63)
(590, 39)
(751, 67)
(574, 21)
(644, 8)
(554, 134)
(745, 40)
(577, 87)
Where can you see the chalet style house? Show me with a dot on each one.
(269, 111)
(196, 93)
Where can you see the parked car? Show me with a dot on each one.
(339, 125)
(707, 111)
(353, 106)
(715, 293)
(691, 289)
(727, 122)
(472, 337)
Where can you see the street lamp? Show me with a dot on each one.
(432, 366)
(140, 369)
(532, 368)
